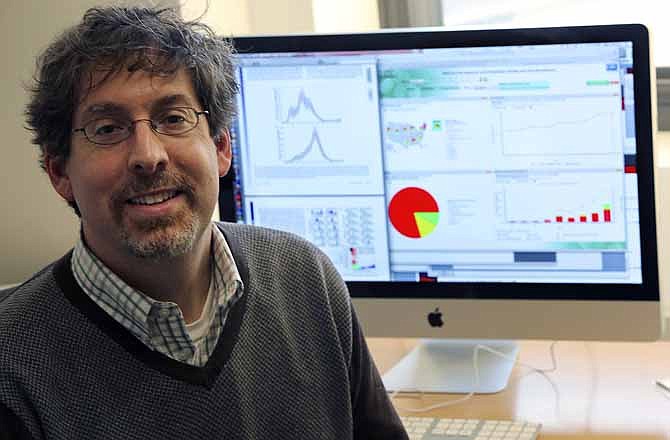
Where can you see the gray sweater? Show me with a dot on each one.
(291, 362)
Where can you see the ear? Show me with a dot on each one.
(60, 180)
(223, 152)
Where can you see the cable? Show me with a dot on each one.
(541, 372)
(432, 407)
(663, 391)
(554, 364)
(475, 366)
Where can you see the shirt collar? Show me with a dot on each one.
(132, 308)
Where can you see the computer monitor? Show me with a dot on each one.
(493, 184)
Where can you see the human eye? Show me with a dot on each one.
(174, 120)
(106, 130)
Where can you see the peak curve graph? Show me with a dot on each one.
(303, 101)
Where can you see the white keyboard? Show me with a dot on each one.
(430, 428)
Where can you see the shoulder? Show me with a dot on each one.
(288, 270)
(26, 295)
(272, 246)
(288, 263)
(259, 234)
(30, 318)
(26, 309)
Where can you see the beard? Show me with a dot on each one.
(163, 238)
(166, 237)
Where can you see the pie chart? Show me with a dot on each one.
(414, 212)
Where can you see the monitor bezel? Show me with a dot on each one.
(648, 290)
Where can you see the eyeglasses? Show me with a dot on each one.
(173, 121)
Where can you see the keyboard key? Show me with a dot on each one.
(430, 428)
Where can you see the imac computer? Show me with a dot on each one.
(468, 185)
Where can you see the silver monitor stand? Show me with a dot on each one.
(446, 366)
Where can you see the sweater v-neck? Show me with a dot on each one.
(205, 375)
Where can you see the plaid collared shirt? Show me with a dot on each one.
(160, 325)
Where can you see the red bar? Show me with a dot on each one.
(559, 219)
(630, 169)
(582, 219)
(608, 215)
(571, 219)
(547, 221)
(594, 217)
(424, 278)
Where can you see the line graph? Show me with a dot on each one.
(312, 127)
(558, 124)
(314, 141)
(561, 127)
(298, 123)
(296, 114)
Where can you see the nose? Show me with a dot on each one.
(147, 154)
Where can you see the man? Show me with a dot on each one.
(159, 323)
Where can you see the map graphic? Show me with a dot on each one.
(405, 134)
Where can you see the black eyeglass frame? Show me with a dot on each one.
(131, 124)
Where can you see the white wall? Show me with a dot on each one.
(345, 15)
(236, 18)
(226, 17)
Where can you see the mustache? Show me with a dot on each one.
(143, 184)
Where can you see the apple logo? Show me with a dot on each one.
(435, 318)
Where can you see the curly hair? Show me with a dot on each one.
(111, 39)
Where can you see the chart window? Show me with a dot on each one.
(478, 164)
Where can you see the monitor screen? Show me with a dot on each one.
(494, 169)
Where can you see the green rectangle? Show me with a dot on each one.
(523, 85)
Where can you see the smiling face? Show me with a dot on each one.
(151, 195)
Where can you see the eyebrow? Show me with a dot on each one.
(171, 100)
(102, 109)
(110, 108)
